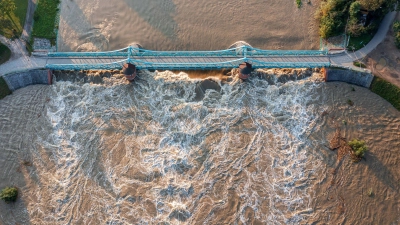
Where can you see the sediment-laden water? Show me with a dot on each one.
(146, 153)
(100, 25)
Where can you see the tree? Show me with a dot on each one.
(6, 8)
(371, 5)
(355, 9)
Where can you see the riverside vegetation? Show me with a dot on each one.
(359, 148)
(386, 90)
(343, 16)
(396, 29)
(12, 17)
(45, 18)
(9, 194)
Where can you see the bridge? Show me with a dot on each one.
(187, 60)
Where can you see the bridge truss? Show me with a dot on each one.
(187, 60)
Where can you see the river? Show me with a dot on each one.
(101, 25)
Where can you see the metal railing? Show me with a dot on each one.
(141, 64)
(130, 51)
(231, 58)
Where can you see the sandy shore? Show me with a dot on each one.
(344, 192)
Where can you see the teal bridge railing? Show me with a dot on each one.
(189, 60)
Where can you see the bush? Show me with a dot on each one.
(397, 40)
(350, 102)
(298, 2)
(359, 148)
(9, 194)
(396, 28)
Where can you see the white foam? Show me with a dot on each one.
(169, 132)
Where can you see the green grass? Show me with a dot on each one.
(4, 90)
(45, 16)
(359, 64)
(12, 27)
(5, 53)
(387, 91)
(357, 43)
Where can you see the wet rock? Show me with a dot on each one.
(181, 166)
(206, 85)
(131, 199)
(180, 214)
(174, 191)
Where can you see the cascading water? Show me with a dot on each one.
(149, 153)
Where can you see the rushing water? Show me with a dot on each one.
(148, 153)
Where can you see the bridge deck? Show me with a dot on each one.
(145, 59)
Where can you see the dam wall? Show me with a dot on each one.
(349, 76)
(20, 79)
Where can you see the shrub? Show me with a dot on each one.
(9, 194)
(359, 148)
(298, 2)
(397, 40)
(396, 26)
(350, 102)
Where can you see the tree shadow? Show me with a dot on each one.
(91, 34)
(380, 171)
(158, 13)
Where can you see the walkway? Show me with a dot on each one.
(346, 59)
(20, 59)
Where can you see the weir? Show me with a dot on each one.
(187, 60)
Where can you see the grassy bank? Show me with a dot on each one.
(12, 25)
(4, 90)
(387, 91)
(45, 16)
(5, 53)
(356, 43)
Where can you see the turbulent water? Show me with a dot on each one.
(147, 152)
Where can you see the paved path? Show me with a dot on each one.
(347, 58)
(20, 59)
(28, 25)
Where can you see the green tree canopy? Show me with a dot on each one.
(6, 7)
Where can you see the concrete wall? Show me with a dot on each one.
(25, 78)
(349, 76)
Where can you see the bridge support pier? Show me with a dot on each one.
(245, 70)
